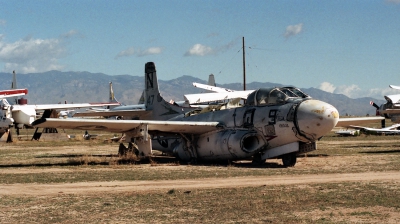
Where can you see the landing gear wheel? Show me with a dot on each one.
(257, 160)
(289, 159)
(122, 150)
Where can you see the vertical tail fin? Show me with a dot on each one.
(111, 97)
(14, 81)
(161, 109)
(211, 80)
(14, 100)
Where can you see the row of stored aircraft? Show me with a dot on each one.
(277, 122)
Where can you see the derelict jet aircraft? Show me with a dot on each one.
(270, 125)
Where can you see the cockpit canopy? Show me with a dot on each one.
(277, 95)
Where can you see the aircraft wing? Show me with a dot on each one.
(210, 97)
(346, 122)
(113, 113)
(13, 92)
(394, 87)
(128, 125)
(62, 106)
(212, 88)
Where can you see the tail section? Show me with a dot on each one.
(14, 100)
(161, 109)
(211, 80)
(111, 98)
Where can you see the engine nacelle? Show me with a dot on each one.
(222, 145)
(24, 116)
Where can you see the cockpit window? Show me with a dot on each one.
(296, 91)
(288, 92)
(271, 96)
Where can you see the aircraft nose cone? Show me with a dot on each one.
(315, 119)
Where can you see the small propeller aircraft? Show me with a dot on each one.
(23, 114)
(6, 122)
(272, 124)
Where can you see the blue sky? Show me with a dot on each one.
(343, 46)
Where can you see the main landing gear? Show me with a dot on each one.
(289, 159)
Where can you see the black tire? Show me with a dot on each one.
(257, 161)
(290, 159)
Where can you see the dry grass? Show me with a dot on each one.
(26, 162)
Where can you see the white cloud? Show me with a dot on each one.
(354, 91)
(71, 33)
(150, 51)
(131, 51)
(2, 22)
(31, 55)
(293, 30)
(199, 50)
(126, 53)
(327, 87)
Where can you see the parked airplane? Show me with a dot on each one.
(7, 122)
(23, 114)
(270, 125)
(390, 109)
(348, 132)
(392, 130)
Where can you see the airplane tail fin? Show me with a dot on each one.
(141, 100)
(211, 80)
(111, 98)
(161, 109)
(14, 100)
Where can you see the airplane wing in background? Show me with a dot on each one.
(112, 113)
(12, 93)
(212, 88)
(121, 126)
(346, 122)
(210, 97)
(388, 130)
(62, 106)
(394, 87)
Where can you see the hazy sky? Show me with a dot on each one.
(342, 46)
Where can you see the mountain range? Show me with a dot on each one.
(83, 87)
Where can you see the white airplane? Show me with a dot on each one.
(7, 122)
(23, 114)
(390, 109)
(391, 130)
(348, 132)
(270, 125)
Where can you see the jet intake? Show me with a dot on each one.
(222, 145)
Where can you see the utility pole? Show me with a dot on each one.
(244, 67)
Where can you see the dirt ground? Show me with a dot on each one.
(208, 183)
